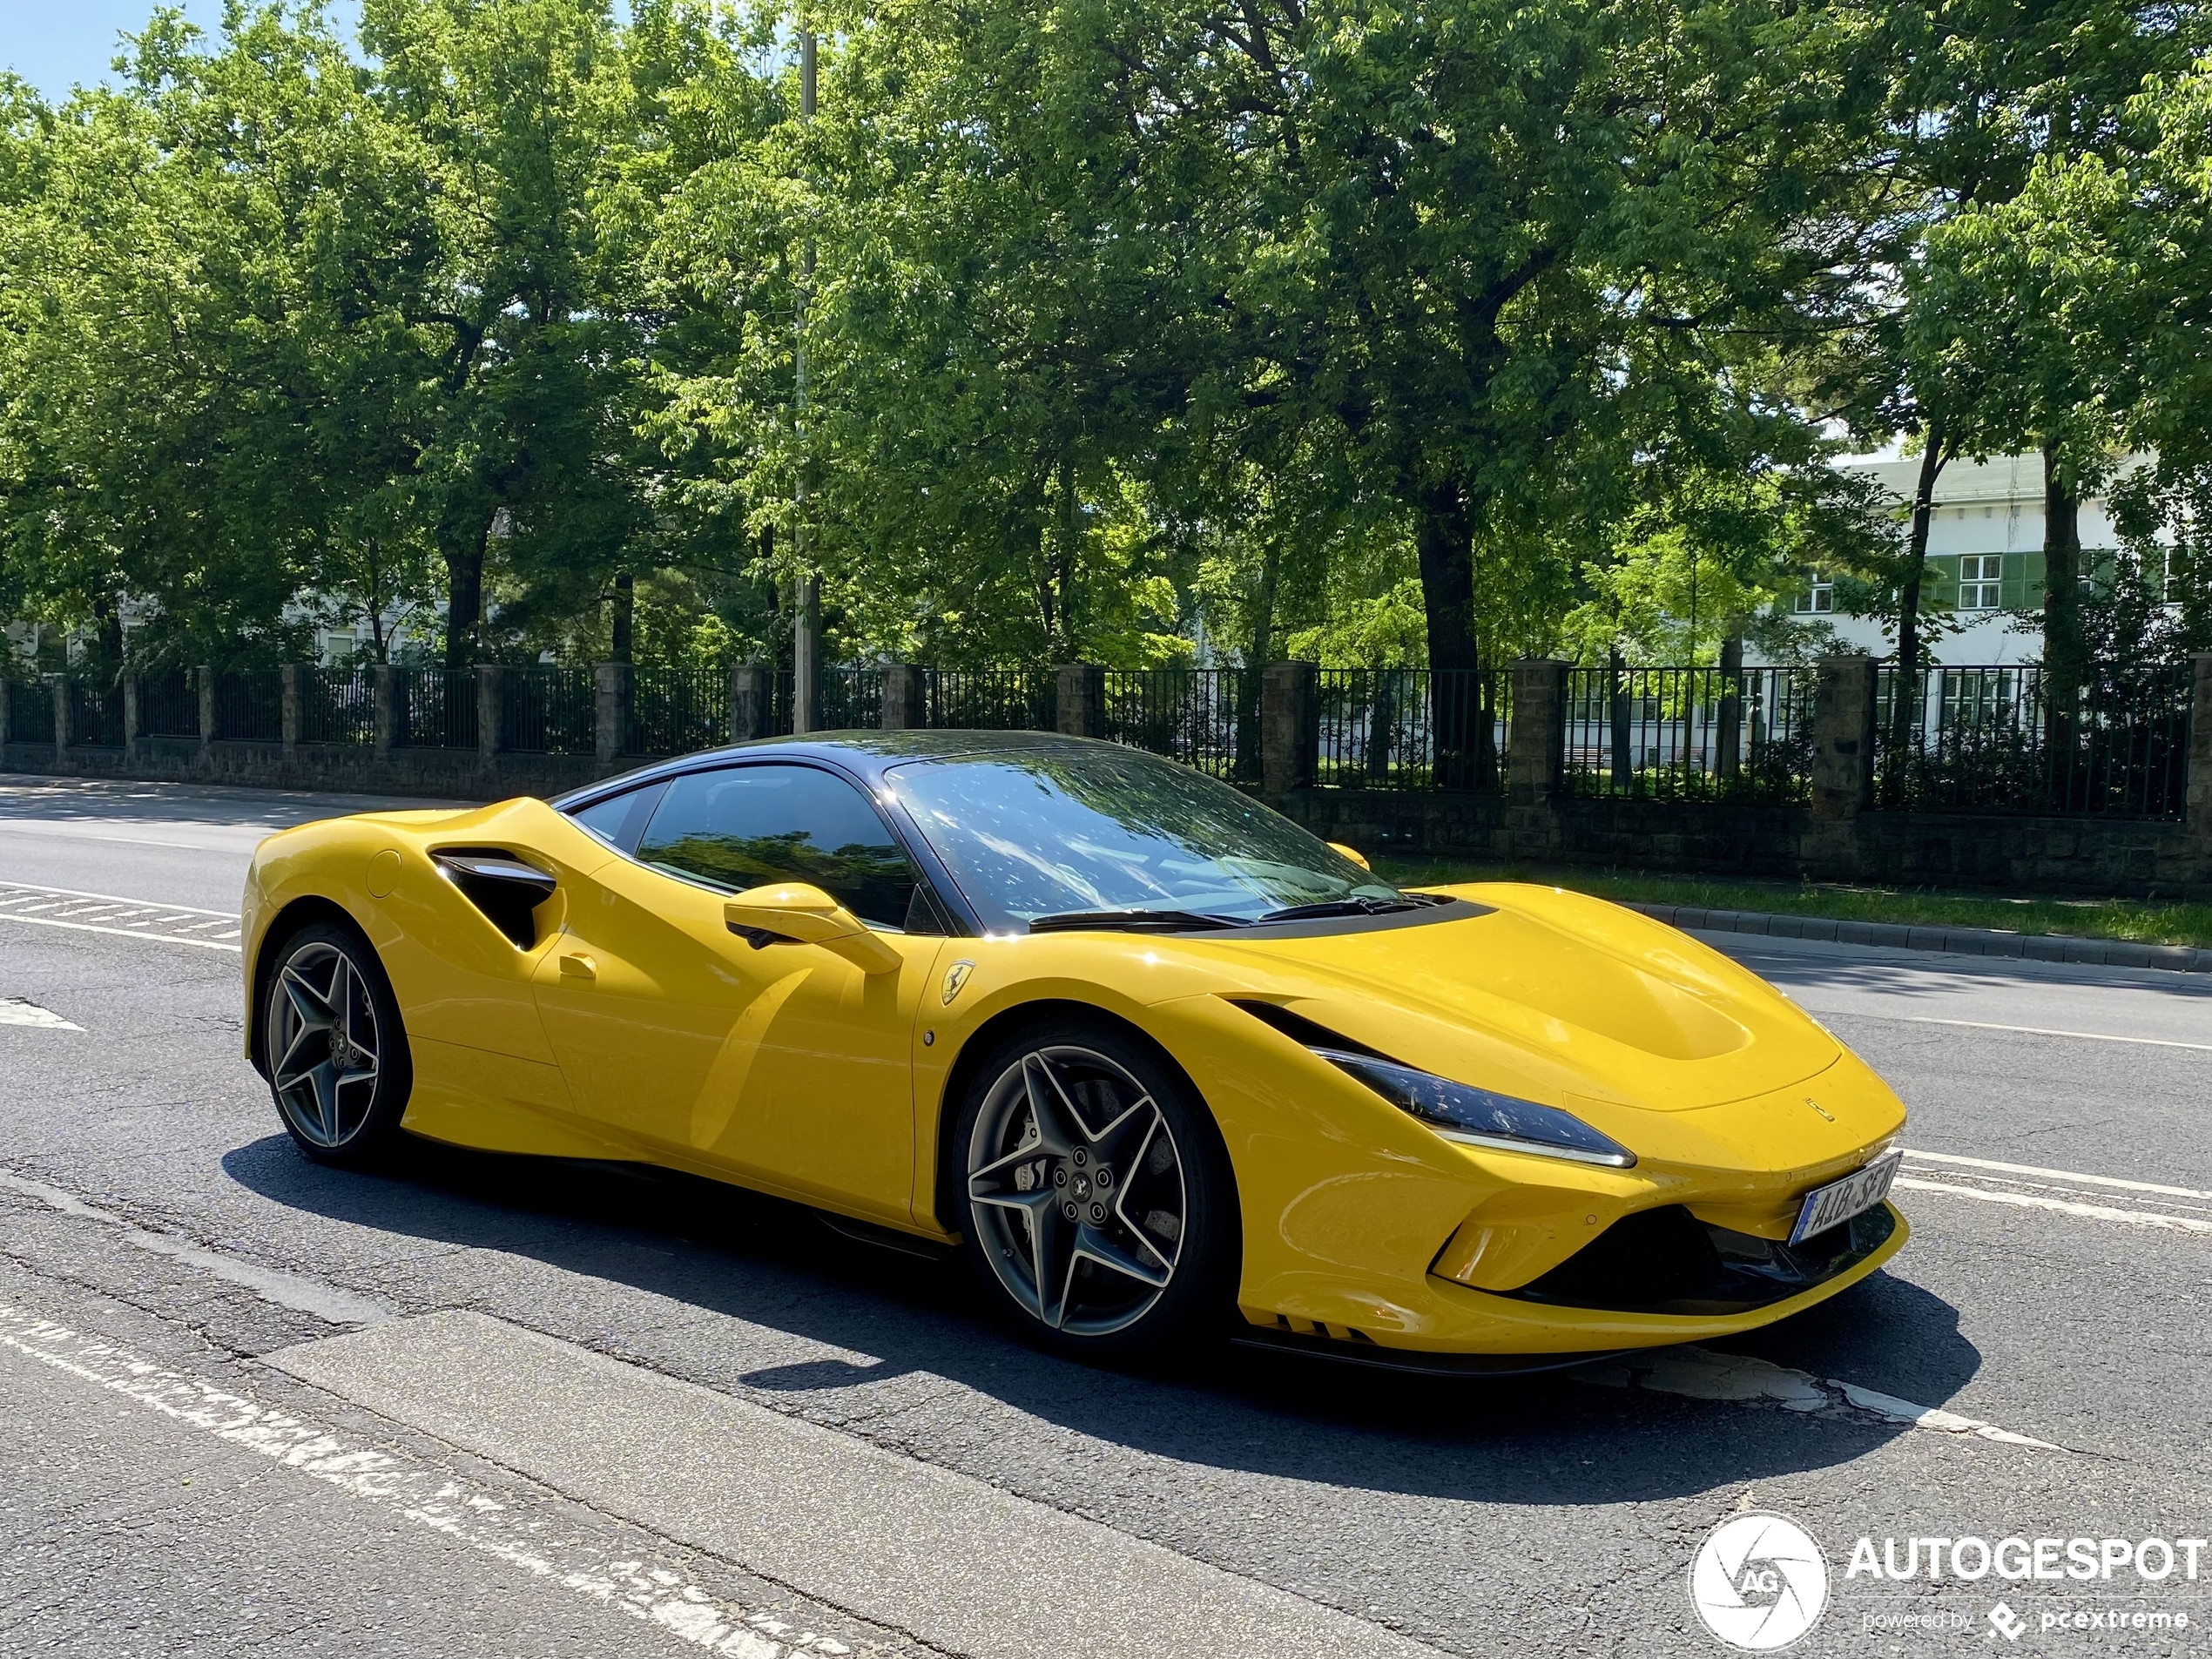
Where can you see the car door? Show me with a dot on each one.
(786, 1065)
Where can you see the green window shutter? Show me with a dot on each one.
(2024, 592)
(1940, 587)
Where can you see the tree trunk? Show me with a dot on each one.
(1728, 745)
(1616, 708)
(2063, 649)
(623, 628)
(464, 548)
(1444, 539)
(1905, 703)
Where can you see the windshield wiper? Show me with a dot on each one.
(1354, 907)
(1130, 921)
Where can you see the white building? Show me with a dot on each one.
(1985, 557)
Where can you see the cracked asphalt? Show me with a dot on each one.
(1554, 1515)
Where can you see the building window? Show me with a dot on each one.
(1816, 600)
(2170, 590)
(1980, 578)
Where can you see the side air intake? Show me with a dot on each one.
(507, 890)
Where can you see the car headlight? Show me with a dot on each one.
(1479, 1118)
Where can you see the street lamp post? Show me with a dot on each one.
(807, 624)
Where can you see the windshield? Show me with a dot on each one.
(1056, 835)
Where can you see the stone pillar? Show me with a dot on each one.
(1290, 727)
(132, 720)
(491, 712)
(292, 708)
(1083, 699)
(57, 693)
(753, 698)
(205, 675)
(384, 708)
(2200, 777)
(611, 711)
(1536, 737)
(905, 706)
(1842, 738)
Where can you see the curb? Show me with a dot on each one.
(1961, 942)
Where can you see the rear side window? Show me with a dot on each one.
(620, 820)
(748, 825)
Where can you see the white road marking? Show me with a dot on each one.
(286, 1290)
(179, 924)
(2064, 1206)
(9, 887)
(2055, 1175)
(957, 1563)
(647, 1590)
(14, 1010)
(1702, 1373)
(2040, 1031)
(120, 932)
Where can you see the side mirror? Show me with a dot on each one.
(1352, 853)
(794, 913)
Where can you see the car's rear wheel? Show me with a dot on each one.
(1098, 1201)
(337, 1055)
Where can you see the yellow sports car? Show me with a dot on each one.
(1154, 1058)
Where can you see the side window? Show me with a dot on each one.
(620, 820)
(746, 826)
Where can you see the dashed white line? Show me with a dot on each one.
(647, 1590)
(15, 1010)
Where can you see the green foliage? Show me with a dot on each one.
(1073, 330)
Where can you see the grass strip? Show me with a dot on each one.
(2148, 922)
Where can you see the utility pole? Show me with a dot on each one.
(807, 621)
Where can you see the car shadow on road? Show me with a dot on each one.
(742, 1260)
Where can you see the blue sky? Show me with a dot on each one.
(56, 44)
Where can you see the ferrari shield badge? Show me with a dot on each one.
(956, 976)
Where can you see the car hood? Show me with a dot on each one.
(1552, 992)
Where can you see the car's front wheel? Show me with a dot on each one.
(1098, 1200)
(337, 1056)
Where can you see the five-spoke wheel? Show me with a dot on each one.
(1093, 1189)
(335, 1055)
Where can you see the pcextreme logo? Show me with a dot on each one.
(1759, 1582)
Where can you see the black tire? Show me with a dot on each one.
(333, 1045)
(1065, 1201)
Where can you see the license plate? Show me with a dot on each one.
(1838, 1202)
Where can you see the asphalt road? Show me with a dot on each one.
(489, 1406)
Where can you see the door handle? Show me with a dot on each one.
(578, 967)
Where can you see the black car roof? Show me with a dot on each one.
(867, 754)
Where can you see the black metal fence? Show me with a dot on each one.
(1691, 733)
(337, 706)
(1981, 739)
(95, 714)
(249, 707)
(169, 704)
(1413, 728)
(1206, 717)
(548, 711)
(434, 708)
(2113, 744)
(994, 699)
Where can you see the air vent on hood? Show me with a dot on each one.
(507, 890)
(1299, 1029)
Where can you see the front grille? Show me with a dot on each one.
(1667, 1261)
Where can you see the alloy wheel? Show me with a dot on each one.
(322, 1031)
(1075, 1186)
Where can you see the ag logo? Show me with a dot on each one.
(1759, 1582)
